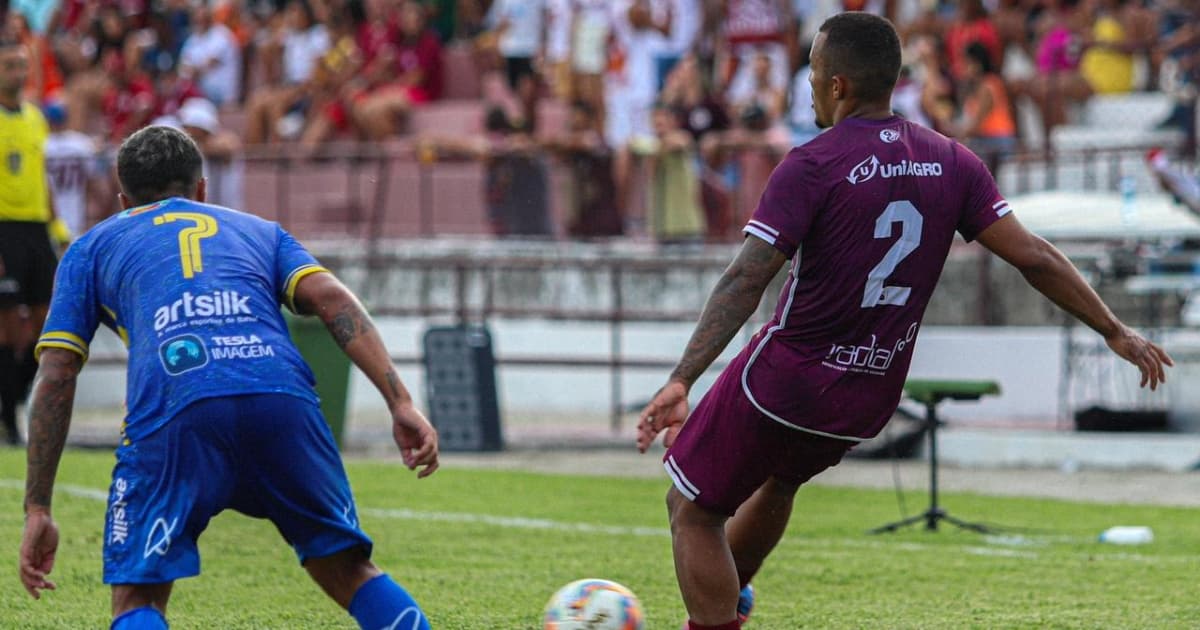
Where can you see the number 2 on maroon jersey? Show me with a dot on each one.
(910, 220)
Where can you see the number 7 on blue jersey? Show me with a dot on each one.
(190, 255)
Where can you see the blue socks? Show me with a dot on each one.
(144, 618)
(381, 604)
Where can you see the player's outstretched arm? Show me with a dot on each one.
(731, 303)
(50, 418)
(323, 295)
(1050, 272)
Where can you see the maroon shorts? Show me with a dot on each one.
(728, 448)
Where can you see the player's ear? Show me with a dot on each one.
(126, 202)
(841, 88)
(202, 190)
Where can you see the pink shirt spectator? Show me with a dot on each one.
(1058, 51)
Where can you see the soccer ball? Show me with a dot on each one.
(593, 605)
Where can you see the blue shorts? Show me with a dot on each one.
(267, 456)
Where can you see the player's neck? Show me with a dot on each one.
(865, 111)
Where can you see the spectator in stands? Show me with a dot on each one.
(516, 181)
(520, 30)
(986, 122)
(1120, 29)
(293, 51)
(45, 82)
(130, 101)
(971, 26)
(102, 50)
(688, 92)
(591, 193)
(1058, 82)
(933, 76)
(684, 21)
(173, 91)
(702, 114)
(556, 63)
(212, 57)
(224, 169)
(674, 214)
(760, 94)
(71, 166)
(348, 73)
(418, 78)
(752, 27)
(590, 31)
(1179, 47)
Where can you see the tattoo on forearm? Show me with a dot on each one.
(393, 382)
(50, 419)
(732, 302)
(349, 323)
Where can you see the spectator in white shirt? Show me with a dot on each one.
(212, 57)
(293, 52)
(521, 29)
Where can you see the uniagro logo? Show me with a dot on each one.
(182, 354)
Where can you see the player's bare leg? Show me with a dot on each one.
(135, 605)
(341, 575)
(704, 566)
(759, 525)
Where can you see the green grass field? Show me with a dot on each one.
(485, 549)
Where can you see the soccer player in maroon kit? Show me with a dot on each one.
(866, 212)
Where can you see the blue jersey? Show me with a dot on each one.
(194, 291)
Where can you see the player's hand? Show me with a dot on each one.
(417, 439)
(1149, 358)
(667, 410)
(38, 546)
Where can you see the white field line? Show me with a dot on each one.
(539, 524)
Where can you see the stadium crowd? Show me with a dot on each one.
(664, 99)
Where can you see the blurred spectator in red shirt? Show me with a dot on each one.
(130, 101)
(173, 91)
(418, 76)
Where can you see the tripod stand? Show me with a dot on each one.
(930, 394)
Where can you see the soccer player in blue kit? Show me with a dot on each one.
(221, 407)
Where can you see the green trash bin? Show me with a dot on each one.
(330, 366)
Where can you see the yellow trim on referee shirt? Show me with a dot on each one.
(294, 279)
(61, 339)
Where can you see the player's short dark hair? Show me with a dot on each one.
(158, 162)
(864, 48)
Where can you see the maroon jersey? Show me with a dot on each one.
(867, 211)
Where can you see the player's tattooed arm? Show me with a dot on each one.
(350, 325)
(350, 322)
(731, 303)
(50, 418)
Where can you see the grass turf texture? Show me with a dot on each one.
(497, 575)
